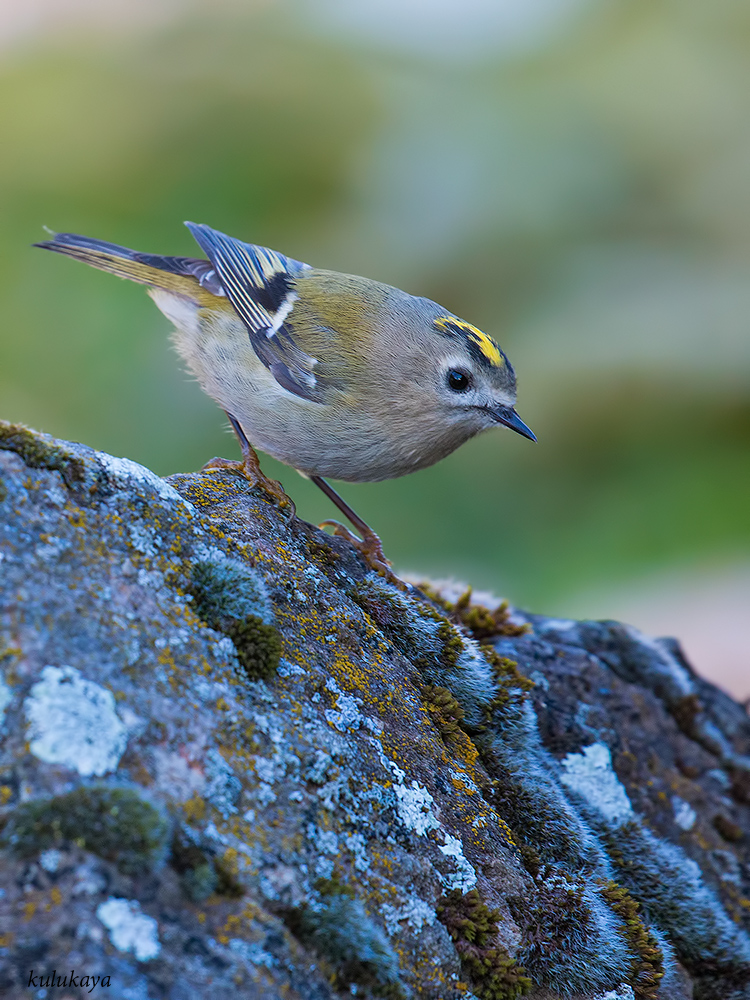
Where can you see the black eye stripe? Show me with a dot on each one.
(457, 380)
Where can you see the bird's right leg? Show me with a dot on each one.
(250, 468)
(368, 544)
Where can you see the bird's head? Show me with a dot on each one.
(457, 373)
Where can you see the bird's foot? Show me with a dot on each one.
(370, 548)
(252, 472)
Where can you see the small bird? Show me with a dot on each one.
(332, 374)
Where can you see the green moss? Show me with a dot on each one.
(532, 860)
(511, 682)
(445, 710)
(258, 647)
(448, 718)
(227, 883)
(231, 598)
(647, 969)
(114, 823)
(3, 491)
(435, 645)
(353, 951)
(227, 590)
(672, 888)
(524, 811)
(506, 671)
(199, 882)
(492, 973)
(452, 643)
(40, 452)
(334, 886)
(418, 630)
(479, 620)
(201, 874)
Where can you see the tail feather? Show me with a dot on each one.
(187, 276)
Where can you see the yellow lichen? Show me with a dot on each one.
(194, 808)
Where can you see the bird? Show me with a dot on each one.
(332, 374)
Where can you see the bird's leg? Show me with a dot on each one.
(369, 545)
(250, 468)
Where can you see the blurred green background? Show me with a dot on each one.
(572, 176)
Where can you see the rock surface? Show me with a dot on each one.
(236, 763)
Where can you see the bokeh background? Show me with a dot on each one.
(571, 175)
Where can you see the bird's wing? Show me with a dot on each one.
(260, 285)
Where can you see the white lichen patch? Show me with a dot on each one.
(556, 625)
(129, 475)
(264, 794)
(346, 715)
(150, 579)
(414, 808)
(281, 882)
(324, 867)
(590, 775)
(414, 912)
(466, 877)
(684, 814)
(252, 953)
(129, 928)
(325, 841)
(265, 769)
(223, 787)
(72, 721)
(413, 803)
(623, 992)
(355, 842)
(143, 539)
(50, 860)
(272, 770)
(287, 669)
(56, 495)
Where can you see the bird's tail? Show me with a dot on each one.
(187, 276)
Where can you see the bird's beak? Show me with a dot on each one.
(508, 416)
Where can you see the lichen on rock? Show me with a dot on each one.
(239, 763)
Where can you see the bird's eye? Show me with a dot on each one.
(457, 380)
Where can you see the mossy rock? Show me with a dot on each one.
(258, 647)
(492, 973)
(116, 824)
(39, 451)
(357, 956)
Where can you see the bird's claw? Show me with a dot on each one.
(370, 548)
(255, 477)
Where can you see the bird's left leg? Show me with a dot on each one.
(250, 468)
(368, 544)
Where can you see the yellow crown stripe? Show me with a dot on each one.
(486, 344)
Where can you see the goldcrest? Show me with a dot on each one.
(332, 374)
